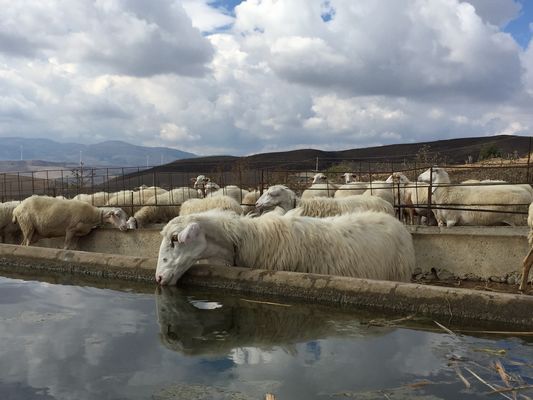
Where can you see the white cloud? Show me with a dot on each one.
(205, 17)
(279, 77)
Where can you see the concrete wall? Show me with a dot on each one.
(437, 302)
(483, 252)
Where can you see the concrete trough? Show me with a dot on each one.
(436, 302)
(476, 252)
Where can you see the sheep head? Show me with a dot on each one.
(210, 188)
(397, 177)
(183, 244)
(320, 178)
(350, 177)
(435, 175)
(117, 217)
(276, 196)
(132, 223)
(200, 181)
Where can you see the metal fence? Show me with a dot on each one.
(69, 183)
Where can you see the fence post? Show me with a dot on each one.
(262, 181)
(528, 160)
(430, 194)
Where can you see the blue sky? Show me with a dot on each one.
(231, 77)
(521, 26)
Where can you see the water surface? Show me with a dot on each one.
(72, 341)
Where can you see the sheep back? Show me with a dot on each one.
(50, 217)
(365, 245)
(225, 203)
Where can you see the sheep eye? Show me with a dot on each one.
(173, 238)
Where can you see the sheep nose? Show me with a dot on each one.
(159, 278)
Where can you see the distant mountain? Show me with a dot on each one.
(450, 151)
(109, 153)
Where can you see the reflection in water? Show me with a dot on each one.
(72, 342)
(241, 327)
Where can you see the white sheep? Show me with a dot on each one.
(161, 208)
(364, 245)
(351, 189)
(504, 198)
(381, 189)
(224, 203)
(98, 199)
(8, 229)
(528, 261)
(45, 217)
(279, 195)
(413, 196)
(350, 177)
(199, 184)
(320, 188)
(133, 201)
(248, 201)
(212, 189)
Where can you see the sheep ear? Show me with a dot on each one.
(189, 234)
(108, 214)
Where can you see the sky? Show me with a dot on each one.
(244, 77)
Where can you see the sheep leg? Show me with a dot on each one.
(27, 234)
(70, 239)
(528, 262)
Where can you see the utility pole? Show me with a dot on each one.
(316, 166)
(21, 148)
(147, 159)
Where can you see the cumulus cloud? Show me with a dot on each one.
(129, 37)
(273, 75)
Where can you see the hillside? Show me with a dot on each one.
(109, 153)
(453, 151)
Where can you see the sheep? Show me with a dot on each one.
(350, 177)
(320, 188)
(41, 216)
(502, 198)
(212, 189)
(279, 195)
(133, 201)
(248, 201)
(382, 190)
(413, 196)
(226, 203)
(367, 245)
(351, 189)
(528, 261)
(161, 208)
(98, 199)
(8, 229)
(199, 184)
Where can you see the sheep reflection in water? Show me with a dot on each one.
(206, 328)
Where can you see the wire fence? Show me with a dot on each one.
(368, 175)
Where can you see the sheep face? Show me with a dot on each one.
(277, 195)
(350, 177)
(320, 178)
(200, 181)
(180, 248)
(210, 188)
(439, 175)
(117, 217)
(397, 177)
(132, 223)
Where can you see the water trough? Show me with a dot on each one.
(437, 302)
